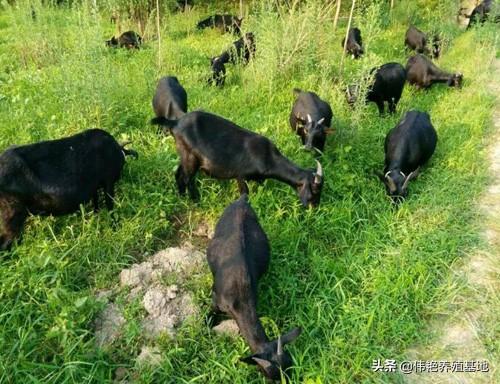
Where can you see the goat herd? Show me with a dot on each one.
(55, 177)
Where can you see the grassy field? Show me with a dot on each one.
(359, 277)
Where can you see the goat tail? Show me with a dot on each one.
(129, 152)
(163, 121)
(167, 124)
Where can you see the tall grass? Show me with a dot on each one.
(358, 276)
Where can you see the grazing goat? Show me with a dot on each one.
(408, 146)
(129, 40)
(226, 151)
(422, 73)
(387, 86)
(311, 119)
(416, 40)
(55, 177)
(354, 43)
(240, 52)
(226, 23)
(480, 13)
(238, 255)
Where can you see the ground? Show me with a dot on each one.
(464, 334)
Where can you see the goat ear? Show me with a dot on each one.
(305, 194)
(248, 360)
(291, 335)
(256, 360)
(263, 363)
(329, 131)
(169, 109)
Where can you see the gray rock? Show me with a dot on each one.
(139, 275)
(149, 356)
(108, 325)
(227, 327)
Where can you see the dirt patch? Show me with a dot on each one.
(227, 328)
(180, 261)
(459, 338)
(108, 325)
(166, 306)
(149, 356)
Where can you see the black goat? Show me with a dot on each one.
(311, 119)
(354, 43)
(243, 49)
(238, 256)
(55, 177)
(240, 52)
(422, 72)
(226, 23)
(416, 40)
(387, 86)
(407, 147)
(226, 151)
(218, 66)
(184, 4)
(170, 99)
(129, 40)
(480, 13)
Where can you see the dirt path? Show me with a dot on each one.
(471, 333)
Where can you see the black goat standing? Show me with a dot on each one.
(226, 151)
(354, 43)
(55, 177)
(387, 86)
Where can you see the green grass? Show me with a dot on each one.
(359, 277)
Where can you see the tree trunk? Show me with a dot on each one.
(337, 13)
(346, 35)
(158, 32)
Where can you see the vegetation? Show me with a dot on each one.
(359, 277)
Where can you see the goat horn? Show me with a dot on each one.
(411, 176)
(390, 182)
(309, 118)
(280, 346)
(318, 177)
